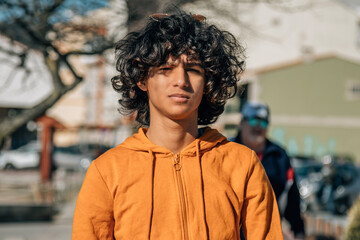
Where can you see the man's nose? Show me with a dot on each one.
(181, 78)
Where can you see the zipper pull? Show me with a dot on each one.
(177, 164)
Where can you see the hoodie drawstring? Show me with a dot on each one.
(202, 185)
(152, 188)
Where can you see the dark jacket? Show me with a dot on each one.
(277, 163)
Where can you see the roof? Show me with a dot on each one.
(301, 61)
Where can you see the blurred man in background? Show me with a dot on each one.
(252, 133)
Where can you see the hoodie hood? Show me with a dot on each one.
(139, 142)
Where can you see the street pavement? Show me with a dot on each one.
(58, 229)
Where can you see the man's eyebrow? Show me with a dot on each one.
(188, 64)
(192, 64)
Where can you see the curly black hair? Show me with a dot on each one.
(219, 54)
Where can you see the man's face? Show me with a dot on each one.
(253, 131)
(175, 89)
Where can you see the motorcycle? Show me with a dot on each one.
(334, 189)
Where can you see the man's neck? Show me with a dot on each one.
(172, 135)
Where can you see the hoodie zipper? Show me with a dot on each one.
(177, 167)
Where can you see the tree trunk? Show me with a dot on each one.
(9, 124)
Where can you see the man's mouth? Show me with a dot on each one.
(178, 97)
(256, 132)
(256, 138)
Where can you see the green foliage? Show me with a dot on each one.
(353, 230)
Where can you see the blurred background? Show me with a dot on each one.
(58, 110)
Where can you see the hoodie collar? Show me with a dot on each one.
(139, 142)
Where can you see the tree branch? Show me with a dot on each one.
(10, 124)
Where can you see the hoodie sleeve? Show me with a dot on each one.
(260, 214)
(93, 217)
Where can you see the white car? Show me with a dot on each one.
(28, 157)
(24, 157)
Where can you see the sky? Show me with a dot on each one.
(64, 13)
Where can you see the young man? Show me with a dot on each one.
(253, 131)
(173, 180)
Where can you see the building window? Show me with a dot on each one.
(243, 95)
(353, 90)
(232, 106)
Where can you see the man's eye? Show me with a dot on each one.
(165, 69)
(195, 70)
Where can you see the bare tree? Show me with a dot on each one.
(58, 32)
(46, 27)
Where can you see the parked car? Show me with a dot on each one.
(73, 158)
(24, 157)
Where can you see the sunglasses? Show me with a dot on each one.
(258, 122)
(157, 16)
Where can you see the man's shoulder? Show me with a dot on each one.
(116, 154)
(235, 148)
(276, 152)
(273, 146)
(119, 149)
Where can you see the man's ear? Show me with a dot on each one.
(142, 85)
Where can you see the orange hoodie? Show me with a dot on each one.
(139, 190)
